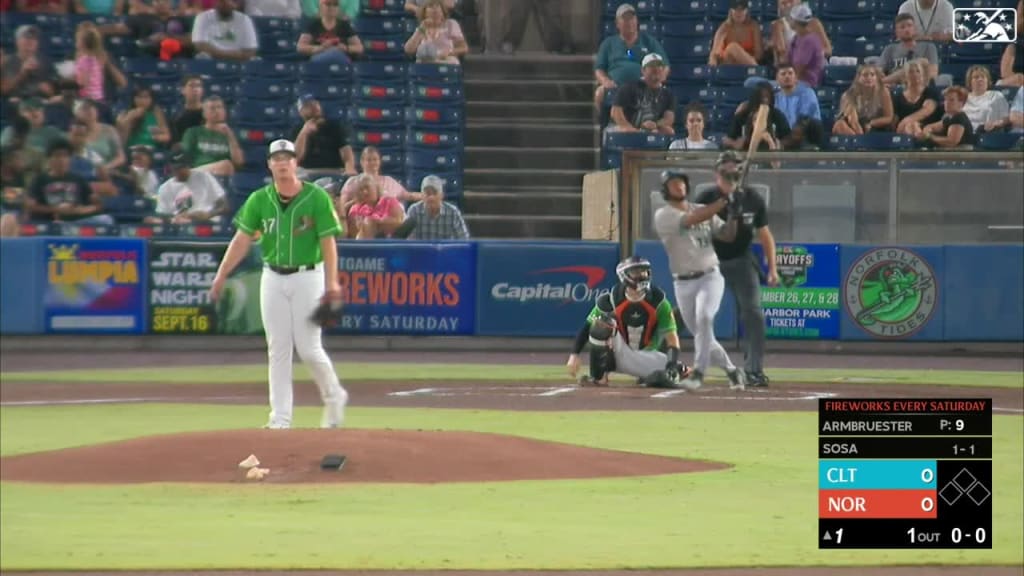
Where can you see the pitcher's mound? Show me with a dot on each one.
(293, 456)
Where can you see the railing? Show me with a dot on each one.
(926, 197)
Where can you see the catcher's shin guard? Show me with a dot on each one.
(602, 361)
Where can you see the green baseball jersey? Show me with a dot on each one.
(289, 233)
(643, 324)
(205, 145)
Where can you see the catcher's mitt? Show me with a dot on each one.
(327, 314)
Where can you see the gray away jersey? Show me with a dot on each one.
(689, 248)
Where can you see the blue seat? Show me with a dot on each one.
(1009, 92)
(151, 68)
(372, 92)
(382, 7)
(732, 96)
(257, 112)
(116, 46)
(384, 26)
(261, 135)
(883, 141)
(452, 182)
(438, 139)
(850, 9)
(435, 73)
(246, 182)
(392, 162)
(733, 75)
(57, 115)
(371, 114)
(326, 90)
(265, 25)
(72, 229)
(165, 92)
(691, 72)
(433, 117)
(976, 53)
(267, 89)
(687, 50)
(262, 69)
(827, 95)
(384, 48)
(379, 138)
(651, 27)
(867, 28)
(325, 71)
(393, 72)
(1000, 141)
(636, 140)
(644, 8)
(718, 10)
(279, 47)
(700, 28)
(206, 68)
(720, 119)
(255, 157)
(124, 208)
(431, 159)
(683, 9)
(841, 76)
(226, 89)
(688, 93)
(436, 94)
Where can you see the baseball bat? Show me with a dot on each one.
(759, 127)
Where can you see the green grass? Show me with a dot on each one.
(763, 512)
(513, 372)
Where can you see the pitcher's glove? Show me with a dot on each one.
(327, 313)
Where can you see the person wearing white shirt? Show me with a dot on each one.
(224, 33)
(274, 8)
(987, 109)
(189, 196)
(934, 18)
(695, 139)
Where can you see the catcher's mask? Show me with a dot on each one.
(635, 273)
(669, 175)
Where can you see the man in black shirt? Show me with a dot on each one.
(58, 195)
(742, 125)
(321, 143)
(739, 266)
(192, 113)
(646, 105)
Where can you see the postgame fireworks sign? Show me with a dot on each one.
(806, 302)
(94, 285)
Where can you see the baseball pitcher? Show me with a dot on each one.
(626, 329)
(686, 231)
(297, 227)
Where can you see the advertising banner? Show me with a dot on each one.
(805, 303)
(541, 289)
(94, 285)
(407, 288)
(180, 276)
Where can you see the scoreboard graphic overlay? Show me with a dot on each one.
(905, 473)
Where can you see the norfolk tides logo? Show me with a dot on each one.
(890, 293)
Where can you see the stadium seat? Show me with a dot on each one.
(452, 182)
(644, 8)
(433, 117)
(116, 46)
(372, 115)
(207, 68)
(392, 162)
(255, 157)
(689, 29)
(435, 74)
(687, 50)
(151, 69)
(881, 141)
(383, 48)
(635, 140)
(683, 10)
(382, 7)
(261, 135)
(827, 95)
(847, 10)
(388, 72)
(840, 76)
(271, 25)
(226, 89)
(732, 96)
(429, 94)
(1009, 92)
(325, 71)
(430, 159)
(326, 90)
(255, 113)
(165, 93)
(262, 69)
(57, 115)
(385, 26)
(720, 119)
(1000, 141)
(125, 208)
(733, 75)
(381, 93)
(976, 53)
(245, 183)
(608, 28)
(379, 138)
(688, 93)
(717, 11)
(867, 28)
(267, 89)
(279, 47)
(439, 139)
(688, 72)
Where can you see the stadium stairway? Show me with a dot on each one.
(530, 138)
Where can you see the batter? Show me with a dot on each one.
(626, 330)
(686, 231)
(297, 226)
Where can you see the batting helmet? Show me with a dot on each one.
(635, 273)
(669, 175)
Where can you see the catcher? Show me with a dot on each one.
(626, 330)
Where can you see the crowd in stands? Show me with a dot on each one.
(150, 117)
(689, 74)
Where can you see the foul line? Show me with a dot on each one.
(127, 400)
(668, 393)
(558, 391)
(1010, 410)
(416, 392)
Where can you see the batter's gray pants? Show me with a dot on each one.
(742, 276)
(698, 301)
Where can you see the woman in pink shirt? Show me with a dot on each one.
(90, 62)
(438, 39)
(372, 214)
(369, 161)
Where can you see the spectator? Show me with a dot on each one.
(866, 105)
(694, 140)
(550, 19)
(191, 113)
(224, 33)
(155, 30)
(57, 195)
(86, 163)
(619, 57)
(15, 141)
(373, 215)
(189, 195)
(645, 105)
(27, 73)
(103, 138)
(1011, 65)
(799, 104)
(99, 7)
(38, 134)
(195, 7)
(321, 143)
(987, 109)
(43, 6)
(330, 38)
(15, 179)
(741, 129)
(90, 62)
(917, 104)
(438, 38)
(144, 124)
(934, 18)
(806, 53)
(738, 40)
(1017, 113)
(782, 33)
(413, 6)
(213, 146)
(906, 48)
(369, 160)
(432, 218)
(273, 9)
(143, 178)
(954, 129)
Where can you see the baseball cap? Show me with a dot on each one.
(179, 159)
(432, 182)
(305, 99)
(141, 148)
(26, 30)
(671, 174)
(624, 8)
(739, 4)
(281, 145)
(801, 13)
(652, 58)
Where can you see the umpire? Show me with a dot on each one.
(742, 272)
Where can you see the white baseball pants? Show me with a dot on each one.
(286, 304)
(698, 301)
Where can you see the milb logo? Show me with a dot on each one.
(584, 290)
(983, 25)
